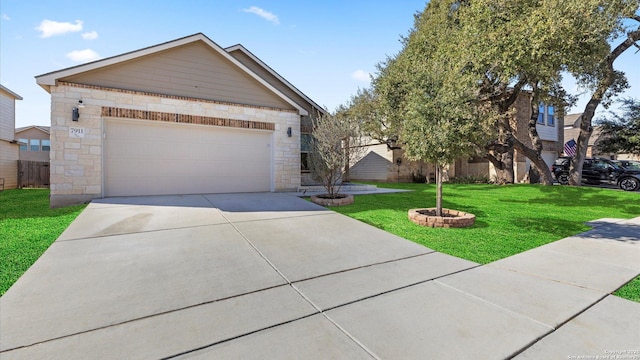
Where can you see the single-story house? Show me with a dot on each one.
(182, 117)
(34, 142)
(8, 145)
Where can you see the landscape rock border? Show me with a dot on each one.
(455, 218)
(347, 199)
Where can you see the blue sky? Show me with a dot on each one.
(325, 48)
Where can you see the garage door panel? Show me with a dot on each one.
(151, 158)
(137, 169)
(185, 150)
(178, 185)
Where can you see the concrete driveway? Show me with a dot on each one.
(271, 276)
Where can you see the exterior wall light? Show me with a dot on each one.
(75, 113)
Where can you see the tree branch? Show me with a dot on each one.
(494, 160)
(575, 171)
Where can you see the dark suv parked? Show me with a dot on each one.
(596, 171)
(628, 164)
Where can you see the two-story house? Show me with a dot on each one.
(388, 163)
(34, 142)
(8, 144)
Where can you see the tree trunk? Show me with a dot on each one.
(536, 161)
(534, 153)
(506, 175)
(575, 171)
(347, 156)
(503, 163)
(502, 158)
(438, 190)
(494, 159)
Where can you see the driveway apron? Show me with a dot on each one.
(270, 275)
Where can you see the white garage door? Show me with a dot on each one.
(156, 158)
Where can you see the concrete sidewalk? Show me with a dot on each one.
(273, 276)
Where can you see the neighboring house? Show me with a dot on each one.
(183, 117)
(8, 145)
(572, 131)
(380, 162)
(34, 143)
(549, 127)
(387, 163)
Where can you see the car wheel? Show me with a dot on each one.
(629, 184)
(563, 178)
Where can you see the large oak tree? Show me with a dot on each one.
(476, 57)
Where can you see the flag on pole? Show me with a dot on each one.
(570, 148)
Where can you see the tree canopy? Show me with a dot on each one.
(464, 63)
(621, 132)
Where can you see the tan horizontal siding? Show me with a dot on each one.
(193, 70)
(7, 117)
(374, 165)
(274, 81)
(175, 97)
(9, 164)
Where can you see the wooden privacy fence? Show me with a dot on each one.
(34, 174)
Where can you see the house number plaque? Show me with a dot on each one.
(76, 132)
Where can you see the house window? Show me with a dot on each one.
(305, 147)
(24, 143)
(541, 114)
(34, 144)
(551, 120)
(46, 145)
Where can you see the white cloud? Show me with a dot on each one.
(269, 16)
(85, 55)
(5, 17)
(49, 28)
(92, 35)
(361, 75)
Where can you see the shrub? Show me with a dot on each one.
(470, 179)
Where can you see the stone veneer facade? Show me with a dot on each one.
(76, 163)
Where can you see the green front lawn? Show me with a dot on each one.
(509, 219)
(27, 227)
(631, 291)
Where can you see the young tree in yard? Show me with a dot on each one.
(336, 142)
(440, 127)
(621, 133)
(428, 101)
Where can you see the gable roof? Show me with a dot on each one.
(50, 79)
(45, 129)
(572, 120)
(572, 129)
(14, 95)
(283, 81)
(573, 133)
